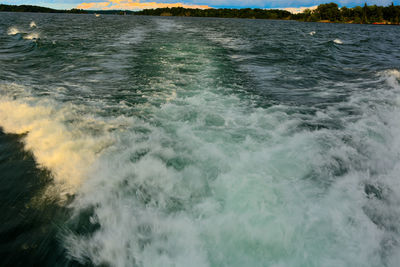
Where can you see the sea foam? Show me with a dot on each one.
(67, 149)
(229, 177)
(212, 179)
(13, 31)
(338, 41)
(32, 36)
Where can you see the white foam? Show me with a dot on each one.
(338, 41)
(13, 31)
(32, 36)
(32, 24)
(392, 77)
(26, 35)
(392, 73)
(67, 149)
(312, 33)
(254, 189)
(212, 180)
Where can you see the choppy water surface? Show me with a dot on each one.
(149, 141)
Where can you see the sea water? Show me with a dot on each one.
(152, 141)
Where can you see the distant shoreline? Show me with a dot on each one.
(324, 13)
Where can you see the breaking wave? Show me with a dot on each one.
(61, 139)
(13, 31)
(183, 197)
(32, 36)
(338, 41)
(188, 142)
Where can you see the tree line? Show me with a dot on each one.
(360, 15)
(323, 13)
(249, 13)
(37, 9)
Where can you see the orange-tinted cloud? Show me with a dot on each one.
(133, 5)
(97, 5)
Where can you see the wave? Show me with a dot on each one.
(28, 36)
(212, 179)
(32, 36)
(60, 138)
(227, 41)
(392, 75)
(167, 25)
(13, 31)
(168, 195)
(338, 41)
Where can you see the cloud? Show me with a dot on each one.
(134, 5)
(296, 10)
(98, 5)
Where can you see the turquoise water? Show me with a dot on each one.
(150, 141)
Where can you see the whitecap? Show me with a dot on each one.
(60, 138)
(137, 183)
(392, 77)
(13, 31)
(32, 36)
(338, 41)
(390, 73)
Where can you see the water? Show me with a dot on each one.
(150, 141)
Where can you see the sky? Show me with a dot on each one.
(143, 4)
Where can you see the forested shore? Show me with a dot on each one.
(330, 12)
(36, 9)
(359, 15)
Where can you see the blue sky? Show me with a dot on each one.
(67, 4)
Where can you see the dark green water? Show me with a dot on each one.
(149, 141)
